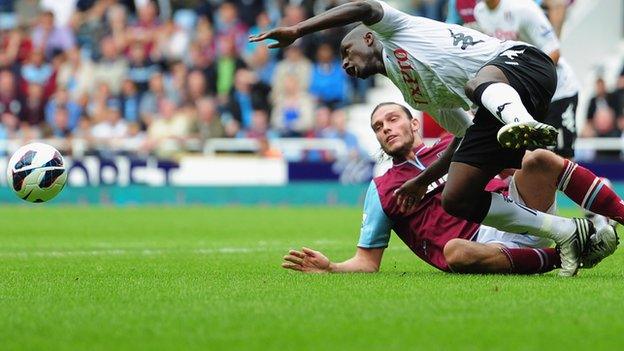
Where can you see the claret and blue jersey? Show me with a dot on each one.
(425, 230)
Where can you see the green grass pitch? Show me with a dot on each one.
(205, 278)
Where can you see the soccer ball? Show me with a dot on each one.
(36, 172)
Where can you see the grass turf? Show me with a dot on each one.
(102, 278)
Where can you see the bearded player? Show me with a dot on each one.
(444, 70)
(449, 243)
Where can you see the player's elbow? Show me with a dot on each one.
(370, 11)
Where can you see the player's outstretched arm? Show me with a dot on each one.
(312, 261)
(366, 11)
(412, 191)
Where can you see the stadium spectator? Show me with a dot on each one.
(141, 67)
(259, 127)
(101, 100)
(146, 26)
(328, 80)
(37, 71)
(322, 129)
(296, 63)
(203, 50)
(129, 101)
(32, 112)
(75, 74)
(117, 25)
(339, 123)
(50, 37)
(59, 123)
(10, 99)
(619, 94)
(72, 110)
(263, 64)
(293, 111)
(229, 28)
(262, 24)
(111, 68)
(603, 107)
(221, 72)
(247, 95)
(169, 129)
(196, 87)
(174, 38)
(110, 125)
(207, 120)
(15, 44)
(150, 101)
(231, 127)
(9, 123)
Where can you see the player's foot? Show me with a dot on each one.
(527, 134)
(601, 245)
(572, 248)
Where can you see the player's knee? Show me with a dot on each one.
(540, 161)
(458, 255)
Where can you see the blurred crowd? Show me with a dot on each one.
(147, 72)
(160, 76)
(605, 113)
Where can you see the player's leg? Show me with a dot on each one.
(536, 184)
(496, 88)
(474, 164)
(464, 256)
(464, 197)
(543, 172)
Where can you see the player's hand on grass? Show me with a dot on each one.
(307, 261)
(410, 194)
(283, 35)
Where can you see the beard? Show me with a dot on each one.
(401, 151)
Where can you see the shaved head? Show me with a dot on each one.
(361, 53)
(356, 33)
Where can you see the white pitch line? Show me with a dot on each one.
(327, 244)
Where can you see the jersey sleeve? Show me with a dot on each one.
(392, 21)
(454, 121)
(376, 226)
(538, 29)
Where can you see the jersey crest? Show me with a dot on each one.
(465, 40)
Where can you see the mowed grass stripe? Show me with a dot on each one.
(164, 293)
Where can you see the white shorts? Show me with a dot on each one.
(489, 235)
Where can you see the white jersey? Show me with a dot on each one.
(524, 20)
(431, 62)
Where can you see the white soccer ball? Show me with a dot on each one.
(36, 172)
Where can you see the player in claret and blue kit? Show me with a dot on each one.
(446, 242)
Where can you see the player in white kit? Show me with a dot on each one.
(445, 70)
(524, 20)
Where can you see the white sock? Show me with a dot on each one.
(509, 216)
(504, 103)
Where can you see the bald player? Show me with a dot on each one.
(446, 69)
(449, 243)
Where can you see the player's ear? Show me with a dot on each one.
(369, 39)
(415, 125)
